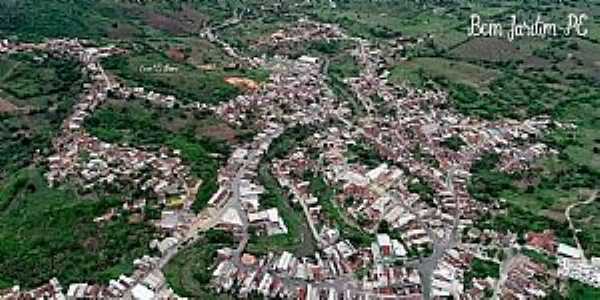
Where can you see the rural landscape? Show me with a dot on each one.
(299, 149)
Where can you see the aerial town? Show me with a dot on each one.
(385, 205)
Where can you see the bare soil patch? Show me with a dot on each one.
(176, 54)
(219, 131)
(164, 23)
(243, 83)
(6, 106)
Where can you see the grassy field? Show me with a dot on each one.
(377, 21)
(245, 34)
(193, 51)
(186, 82)
(526, 208)
(492, 77)
(436, 67)
(49, 232)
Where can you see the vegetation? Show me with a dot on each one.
(61, 238)
(245, 35)
(423, 189)
(325, 194)
(487, 182)
(586, 218)
(189, 272)
(342, 91)
(581, 291)
(481, 269)
(110, 19)
(536, 199)
(421, 69)
(41, 92)
(541, 258)
(299, 239)
(34, 20)
(291, 139)
(453, 143)
(184, 81)
(365, 154)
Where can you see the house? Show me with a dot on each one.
(284, 262)
(375, 173)
(399, 249)
(169, 220)
(568, 251)
(166, 244)
(140, 292)
(231, 221)
(542, 241)
(269, 221)
(385, 244)
(308, 59)
(219, 197)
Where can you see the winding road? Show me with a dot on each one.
(572, 226)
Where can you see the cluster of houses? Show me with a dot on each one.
(94, 162)
(145, 283)
(238, 185)
(585, 271)
(158, 99)
(572, 262)
(376, 194)
(382, 192)
(525, 280)
(294, 95)
(288, 276)
(5, 46)
(448, 276)
(91, 162)
(302, 31)
(160, 173)
(407, 129)
(295, 91)
(81, 156)
(417, 124)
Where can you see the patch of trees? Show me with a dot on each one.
(487, 183)
(453, 143)
(481, 269)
